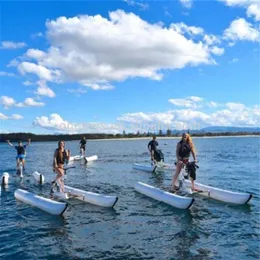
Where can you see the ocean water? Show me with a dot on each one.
(137, 227)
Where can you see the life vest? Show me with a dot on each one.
(153, 145)
(184, 150)
(20, 150)
(61, 159)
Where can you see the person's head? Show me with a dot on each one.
(61, 144)
(187, 138)
(84, 138)
(154, 137)
(20, 143)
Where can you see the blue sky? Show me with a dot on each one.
(110, 66)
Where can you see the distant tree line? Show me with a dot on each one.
(14, 137)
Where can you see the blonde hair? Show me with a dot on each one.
(189, 141)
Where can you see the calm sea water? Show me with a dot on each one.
(138, 227)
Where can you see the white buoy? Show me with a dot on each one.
(38, 177)
(5, 178)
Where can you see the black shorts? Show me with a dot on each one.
(191, 169)
(83, 148)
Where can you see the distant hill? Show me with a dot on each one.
(224, 129)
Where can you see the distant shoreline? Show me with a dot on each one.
(14, 137)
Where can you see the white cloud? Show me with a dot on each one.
(12, 45)
(38, 34)
(98, 86)
(211, 39)
(137, 118)
(254, 10)
(41, 71)
(217, 51)
(235, 106)
(44, 90)
(57, 123)
(16, 117)
(182, 28)
(192, 119)
(3, 117)
(253, 7)
(78, 91)
(28, 83)
(7, 74)
(234, 60)
(30, 102)
(35, 54)
(186, 3)
(189, 102)
(142, 6)
(240, 29)
(81, 50)
(7, 102)
(212, 104)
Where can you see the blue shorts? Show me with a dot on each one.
(20, 156)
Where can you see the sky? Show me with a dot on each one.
(108, 66)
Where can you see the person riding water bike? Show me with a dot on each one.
(152, 148)
(61, 156)
(82, 148)
(183, 150)
(21, 152)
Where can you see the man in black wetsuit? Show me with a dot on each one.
(152, 148)
(82, 148)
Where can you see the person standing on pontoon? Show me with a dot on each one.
(152, 148)
(21, 152)
(61, 156)
(183, 150)
(82, 148)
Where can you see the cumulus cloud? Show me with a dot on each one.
(186, 3)
(252, 6)
(217, 51)
(240, 29)
(3, 117)
(41, 71)
(12, 45)
(229, 114)
(57, 123)
(7, 74)
(142, 6)
(189, 102)
(95, 51)
(8, 102)
(30, 102)
(44, 90)
(182, 28)
(14, 117)
(254, 11)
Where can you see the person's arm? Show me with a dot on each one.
(68, 155)
(9, 143)
(193, 155)
(177, 151)
(55, 164)
(149, 146)
(29, 142)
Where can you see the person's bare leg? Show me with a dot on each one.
(178, 170)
